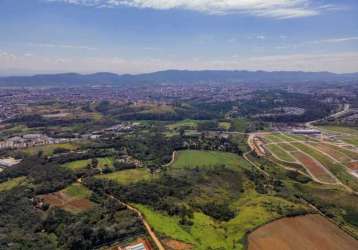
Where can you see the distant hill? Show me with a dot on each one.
(179, 77)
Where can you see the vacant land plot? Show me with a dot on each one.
(130, 176)
(193, 158)
(10, 184)
(304, 232)
(73, 199)
(279, 153)
(48, 149)
(316, 169)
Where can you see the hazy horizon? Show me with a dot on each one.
(53, 36)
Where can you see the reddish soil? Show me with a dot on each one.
(353, 166)
(315, 168)
(303, 232)
(176, 245)
(63, 201)
(80, 204)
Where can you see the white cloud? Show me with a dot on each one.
(337, 40)
(279, 9)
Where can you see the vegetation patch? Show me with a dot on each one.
(48, 149)
(130, 176)
(195, 158)
(281, 154)
(10, 184)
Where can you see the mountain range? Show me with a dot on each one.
(178, 77)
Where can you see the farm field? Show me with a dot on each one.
(130, 176)
(74, 199)
(303, 232)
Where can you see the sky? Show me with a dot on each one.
(137, 36)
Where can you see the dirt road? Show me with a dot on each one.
(145, 223)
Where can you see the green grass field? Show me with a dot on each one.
(77, 190)
(48, 149)
(225, 125)
(193, 124)
(192, 158)
(287, 147)
(81, 164)
(130, 176)
(280, 153)
(10, 184)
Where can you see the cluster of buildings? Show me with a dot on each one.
(30, 140)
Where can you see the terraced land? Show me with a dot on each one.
(315, 168)
(280, 153)
(346, 134)
(325, 161)
(288, 147)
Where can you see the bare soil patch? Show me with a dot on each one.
(303, 232)
(61, 200)
(176, 245)
(353, 166)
